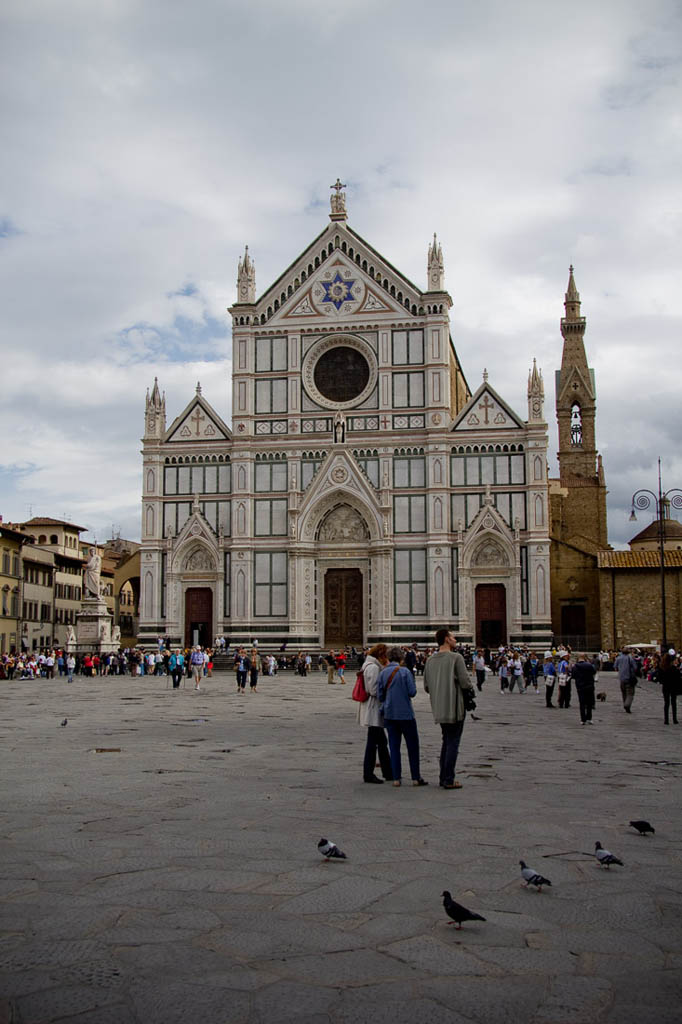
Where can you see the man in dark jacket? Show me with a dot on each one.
(583, 675)
(626, 667)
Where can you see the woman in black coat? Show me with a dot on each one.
(669, 678)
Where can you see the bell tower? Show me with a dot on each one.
(576, 403)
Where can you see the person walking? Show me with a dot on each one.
(176, 664)
(626, 667)
(70, 666)
(371, 717)
(446, 681)
(479, 669)
(331, 667)
(516, 673)
(242, 665)
(256, 666)
(669, 677)
(395, 689)
(341, 666)
(549, 673)
(196, 661)
(564, 681)
(583, 674)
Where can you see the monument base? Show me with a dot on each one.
(95, 631)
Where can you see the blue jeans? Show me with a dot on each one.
(452, 734)
(396, 729)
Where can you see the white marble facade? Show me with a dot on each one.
(361, 490)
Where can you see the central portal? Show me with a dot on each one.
(198, 616)
(343, 607)
(491, 615)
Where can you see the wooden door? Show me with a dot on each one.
(198, 616)
(491, 615)
(342, 607)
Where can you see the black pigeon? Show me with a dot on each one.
(605, 857)
(457, 912)
(64, 722)
(643, 827)
(330, 851)
(531, 877)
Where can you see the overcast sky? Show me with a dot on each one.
(144, 143)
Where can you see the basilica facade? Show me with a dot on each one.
(362, 492)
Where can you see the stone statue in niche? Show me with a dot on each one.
(343, 524)
(339, 428)
(489, 553)
(92, 575)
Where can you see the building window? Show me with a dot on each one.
(310, 464)
(408, 347)
(270, 517)
(410, 581)
(271, 476)
(455, 581)
(480, 470)
(409, 471)
(271, 395)
(524, 580)
(271, 355)
(409, 513)
(576, 424)
(228, 586)
(368, 461)
(408, 390)
(270, 583)
(5, 562)
(211, 478)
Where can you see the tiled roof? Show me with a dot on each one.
(638, 559)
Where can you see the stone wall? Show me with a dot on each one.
(631, 606)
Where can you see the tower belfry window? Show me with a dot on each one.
(576, 424)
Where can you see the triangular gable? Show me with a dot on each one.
(488, 520)
(339, 288)
(306, 289)
(487, 411)
(196, 528)
(573, 381)
(198, 422)
(339, 471)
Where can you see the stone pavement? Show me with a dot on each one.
(159, 862)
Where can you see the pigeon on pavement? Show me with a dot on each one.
(330, 850)
(457, 912)
(64, 722)
(643, 827)
(531, 877)
(605, 857)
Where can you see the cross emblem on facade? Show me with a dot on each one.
(384, 422)
(197, 418)
(486, 405)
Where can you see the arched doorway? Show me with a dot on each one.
(198, 616)
(343, 607)
(491, 615)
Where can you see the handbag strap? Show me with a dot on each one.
(391, 678)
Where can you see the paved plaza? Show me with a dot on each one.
(160, 865)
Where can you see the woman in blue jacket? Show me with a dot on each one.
(395, 689)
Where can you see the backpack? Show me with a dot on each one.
(359, 692)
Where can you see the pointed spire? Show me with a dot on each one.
(155, 411)
(536, 393)
(198, 388)
(572, 298)
(435, 268)
(338, 201)
(485, 376)
(156, 395)
(246, 279)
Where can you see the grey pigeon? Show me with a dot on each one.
(605, 857)
(64, 722)
(643, 827)
(531, 877)
(457, 912)
(330, 851)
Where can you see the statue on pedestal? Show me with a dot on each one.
(92, 575)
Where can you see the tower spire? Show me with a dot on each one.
(246, 279)
(536, 393)
(435, 268)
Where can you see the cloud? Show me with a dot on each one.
(151, 141)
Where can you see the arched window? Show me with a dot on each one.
(576, 424)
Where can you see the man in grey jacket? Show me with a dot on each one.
(445, 680)
(626, 667)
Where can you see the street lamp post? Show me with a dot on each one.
(642, 499)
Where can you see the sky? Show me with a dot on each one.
(145, 143)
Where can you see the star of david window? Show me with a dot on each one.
(337, 291)
(341, 374)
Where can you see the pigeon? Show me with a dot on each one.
(64, 722)
(643, 827)
(531, 877)
(457, 912)
(605, 857)
(330, 850)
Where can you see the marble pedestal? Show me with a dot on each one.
(94, 627)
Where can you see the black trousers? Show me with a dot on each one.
(586, 700)
(376, 744)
